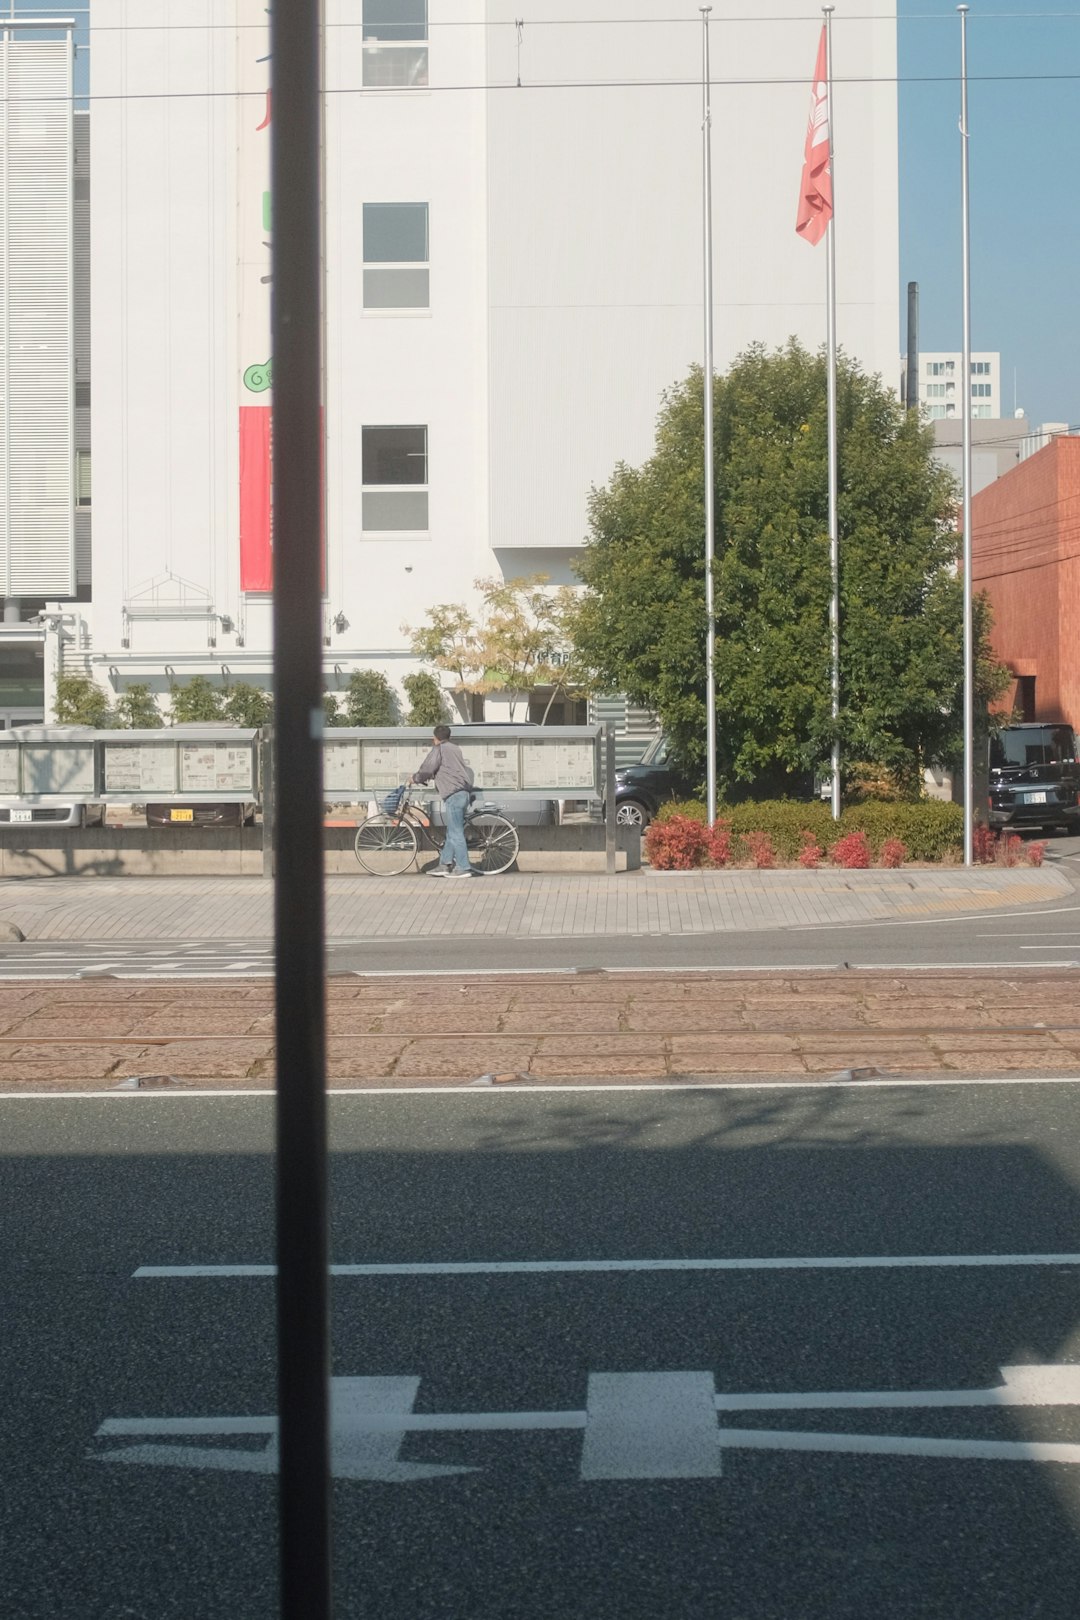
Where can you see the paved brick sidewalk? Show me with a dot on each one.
(519, 906)
(598, 1027)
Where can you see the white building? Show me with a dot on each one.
(940, 386)
(513, 279)
(37, 322)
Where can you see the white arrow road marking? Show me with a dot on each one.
(636, 1426)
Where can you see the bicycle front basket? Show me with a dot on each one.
(390, 803)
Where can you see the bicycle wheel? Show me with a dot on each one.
(385, 847)
(492, 842)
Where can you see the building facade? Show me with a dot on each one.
(513, 278)
(37, 338)
(1024, 530)
(940, 386)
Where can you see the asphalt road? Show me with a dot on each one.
(612, 1497)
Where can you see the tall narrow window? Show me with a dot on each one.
(394, 472)
(395, 44)
(396, 272)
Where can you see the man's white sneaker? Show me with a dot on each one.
(468, 872)
(440, 871)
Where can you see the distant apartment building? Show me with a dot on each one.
(941, 392)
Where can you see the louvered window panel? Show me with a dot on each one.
(37, 451)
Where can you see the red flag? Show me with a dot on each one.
(815, 194)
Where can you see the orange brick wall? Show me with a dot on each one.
(1026, 550)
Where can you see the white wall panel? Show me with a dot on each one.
(37, 536)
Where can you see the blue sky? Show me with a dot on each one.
(1025, 238)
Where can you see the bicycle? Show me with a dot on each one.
(388, 843)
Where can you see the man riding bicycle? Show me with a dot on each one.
(445, 766)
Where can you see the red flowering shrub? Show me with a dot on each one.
(852, 852)
(678, 845)
(810, 851)
(718, 849)
(1036, 852)
(759, 850)
(984, 842)
(893, 852)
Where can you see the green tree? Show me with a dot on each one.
(247, 705)
(137, 710)
(518, 640)
(332, 715)
(369, 700)
(640, 624)
(427, 706)
(196, 702)
(81, 702)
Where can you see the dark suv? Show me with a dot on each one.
(1035, 777)
(641, 789)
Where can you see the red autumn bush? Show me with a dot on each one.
(678, 845)
(984, 842)
(852, 852)
(810, 851)
(759, 850)
(1037, 852)
(893, 852)
(718, 850)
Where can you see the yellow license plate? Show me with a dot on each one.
(181, 815)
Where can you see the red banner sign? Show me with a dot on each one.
(256, 506)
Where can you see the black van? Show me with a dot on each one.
(1035, 777)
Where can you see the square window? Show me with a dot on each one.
(394, 474)
(395, 19)
(395, 44)
(395, 233)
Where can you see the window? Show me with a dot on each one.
(395, 44)
(982, 412)
(935, 390)
(82, 477)
(936, 368)
(981, 390)
(394, 473)
(396, 256)
(937, 412)
(980, 368)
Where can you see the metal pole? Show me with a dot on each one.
(710, 490)
(965, 366)
(911, 388)
(610, 835)
(834, 458)
(302, 1284)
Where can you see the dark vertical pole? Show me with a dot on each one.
(266, 795)
(610, 859)
(303, 1326)
(912, 389)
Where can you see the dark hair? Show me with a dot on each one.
(443, 733)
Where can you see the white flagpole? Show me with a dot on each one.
(710, 513)
(969, 616)
(834, 460)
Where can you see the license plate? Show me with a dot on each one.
(1034, 798)
(181, 815)
(22, 815)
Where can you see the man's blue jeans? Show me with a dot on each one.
(455, 850)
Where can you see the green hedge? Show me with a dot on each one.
(929, 829)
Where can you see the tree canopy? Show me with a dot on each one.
(641, 621)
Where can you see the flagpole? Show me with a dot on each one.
(833, 452)
(707, 379)
(969, 616)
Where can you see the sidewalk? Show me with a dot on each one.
(520, 906)
(552, 1029)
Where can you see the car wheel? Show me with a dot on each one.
(632, 813)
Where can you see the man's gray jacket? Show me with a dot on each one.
(446, 766)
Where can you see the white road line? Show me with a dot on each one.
(882, 1445)
(504, 1268)
(1055, 1384)
(957, 920)
(944, 1082)
(371, 1423)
